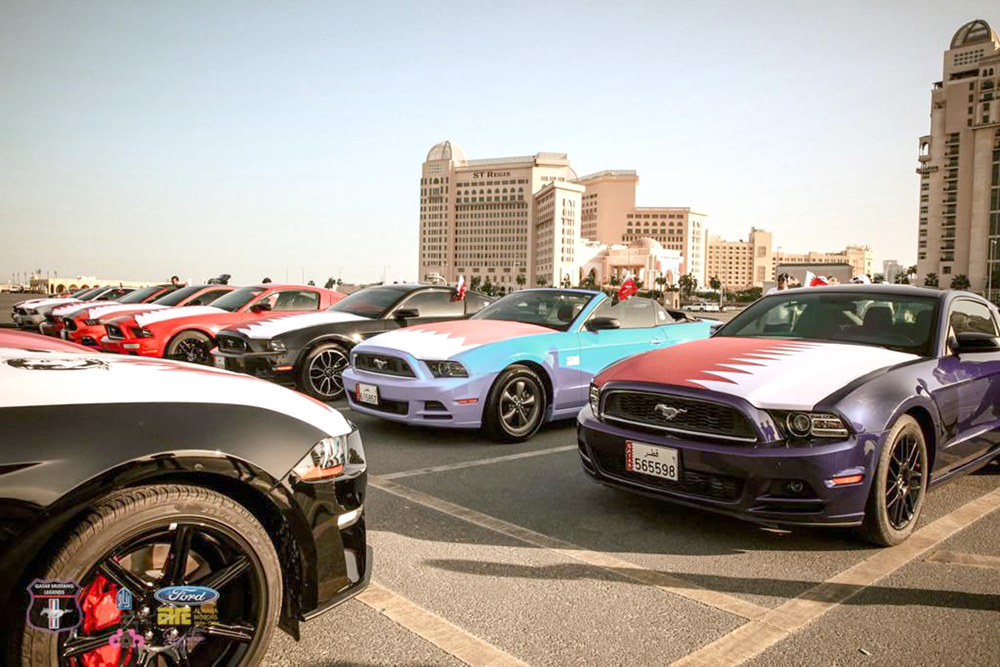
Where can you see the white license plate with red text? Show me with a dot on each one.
(652, 460)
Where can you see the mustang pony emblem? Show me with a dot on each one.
(380, 363)
(668, 412)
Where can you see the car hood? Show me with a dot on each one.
(66, 378)
(447, 339)
(145, 319)
(46, 303)
(117, 309)
(269, 327)
(768, 373)
(60, 311)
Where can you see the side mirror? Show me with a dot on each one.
(260, 307)
(969, 343)
(602, 324)
(406, 314)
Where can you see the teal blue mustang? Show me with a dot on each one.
(521, 361)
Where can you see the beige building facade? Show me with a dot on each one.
(557, 233)
(741, 264)
(859, 257)
(959, 165)
(477, 216)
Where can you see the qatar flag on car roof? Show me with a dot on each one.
(627, 289)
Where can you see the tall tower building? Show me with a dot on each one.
(477, 217)
(959, 165)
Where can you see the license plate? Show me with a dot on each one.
(220, 362)
(366, 393)
(652, 460)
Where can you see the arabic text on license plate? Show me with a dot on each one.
(366, 393)
(652, 460)
(220, 362)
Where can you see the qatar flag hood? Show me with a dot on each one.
(270, 327)
(768, 373)
(145, 319)
(447, 339)
(118, 309)
(46, 303)
(68, 308)
(37, 377)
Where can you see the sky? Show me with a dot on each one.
(141, 139)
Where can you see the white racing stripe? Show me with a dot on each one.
(145, 319)
(270, 327)
(60, 378)
(121, 309)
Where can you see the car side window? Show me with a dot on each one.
(207, 297)
(435, 303)
(634, 313)
(971, 317)
(293, 300)
(474, 303)
(662, 316)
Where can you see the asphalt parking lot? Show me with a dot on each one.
(507, 554)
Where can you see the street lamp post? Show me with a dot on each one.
(989, 269)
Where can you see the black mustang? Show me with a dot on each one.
(311, 351)
(152, 511)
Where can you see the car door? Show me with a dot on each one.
(968, 394)
(638, 333)
(433, 305)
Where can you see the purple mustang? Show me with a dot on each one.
(834, 406)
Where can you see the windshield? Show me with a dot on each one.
(898, 322)
(554, 309)
(371, 302)
(174, 298)
(237, 298)
(80, 292)
(140, 295)
(91, 293)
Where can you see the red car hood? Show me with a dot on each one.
(769, 373)
(204, 313)
(21, 340)
(116, 310)
(444, 340)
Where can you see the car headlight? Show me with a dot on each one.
(595, 400)
(141, 332)
(447, 369)
(276, 346)
(812, 425)
(325, 460)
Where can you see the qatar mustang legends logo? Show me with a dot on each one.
(54, 606)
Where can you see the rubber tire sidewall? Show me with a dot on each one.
(182, 336)
(491, 414)
(305, 386)
(137, 510)
(876, 527)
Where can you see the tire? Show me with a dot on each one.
(518, 393)
(320, 371)
(190, 346)
(128, 524)
(891, 515)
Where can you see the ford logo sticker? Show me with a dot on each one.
(186, 595)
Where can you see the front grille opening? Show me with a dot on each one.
(662, 412)
(382, 364)
(232, 344)
(437, 406)
(791, 488)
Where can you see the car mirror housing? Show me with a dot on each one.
(260, 307)
(603, 324)
(970, 342)
(406, 314)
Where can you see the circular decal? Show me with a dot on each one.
(56, 364)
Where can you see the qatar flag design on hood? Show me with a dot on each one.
(121, 309)
(274, 326)
(145, 319)
(768, 373)
(447, 339)
(60, 311)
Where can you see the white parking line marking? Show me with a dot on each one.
(756, 636)
(430, 627)
(970, 560)
(478, 462)
(665, 582)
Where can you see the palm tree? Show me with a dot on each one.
(688, 284)
(960, 281)
(488, 288)
(715, 283)
(566, 282)
(931, 280)
(878, 278)
(521, 279)
(540, 281)
(475, 283)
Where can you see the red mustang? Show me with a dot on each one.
(86, 326)
(188, 334)
(55, 320)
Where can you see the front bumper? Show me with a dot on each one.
(143, 347)
(53, 329)
(274, 366)
(28, 321)
(441, 402)
(85, 335)
(757, 483)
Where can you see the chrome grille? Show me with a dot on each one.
(383, 364)
(677, 414)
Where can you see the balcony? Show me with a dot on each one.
(927, 169)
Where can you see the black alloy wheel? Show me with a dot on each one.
(191, 346)
(899, 486)
(516, 406)
(213, 542)
(322, 370)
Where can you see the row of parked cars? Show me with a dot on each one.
(836, 406)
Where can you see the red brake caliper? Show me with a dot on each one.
(99, 612)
